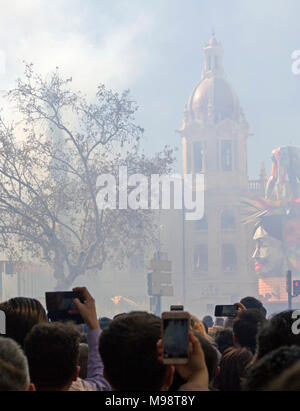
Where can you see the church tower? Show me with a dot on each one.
(215, 131)
(214, 139)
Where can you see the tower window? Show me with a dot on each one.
(228, 220)
(198, 157)
(229, 257)
(216, 62)
(201, 258)
(226, 155)
(209, 63)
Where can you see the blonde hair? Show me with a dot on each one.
(197, 326)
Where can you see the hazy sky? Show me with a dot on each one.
(154, 48)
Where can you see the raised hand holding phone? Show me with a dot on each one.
(87, 308)
(195, 370)
(175, 337)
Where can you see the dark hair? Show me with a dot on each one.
(289, 380)
(208, 320)
(52, 350)
(210, 354)
(277, 333)
(273, 364)
(21, 315)
(224, 339)
(252, 303)
(128, 347)
(246, 327)
(233, 369)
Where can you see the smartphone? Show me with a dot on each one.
(175, 337)
(177, 308)
(226, 311)
(60, 303)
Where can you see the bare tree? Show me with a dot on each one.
(50, 158)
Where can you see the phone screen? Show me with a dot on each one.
(176, 338)
(225, 311)
(60, 301)
(59, 304)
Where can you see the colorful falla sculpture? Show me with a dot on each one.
(277, 221)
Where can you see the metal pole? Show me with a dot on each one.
(158, 314)
(289, 289)
(183, 249)
(158, 305)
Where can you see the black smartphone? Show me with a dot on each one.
(175, 331)
(226, 311)
(60, 303)
(177, 308)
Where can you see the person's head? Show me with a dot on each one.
(224, 339)
(270, 366)
(233, 368)
(289, 380)
(208, 320)
(21, 315)
(246, 327)
(14, 372)
(52, 350)
(252, 303)
(128, 347)
(277, 333)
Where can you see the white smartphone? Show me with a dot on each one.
(175, 332)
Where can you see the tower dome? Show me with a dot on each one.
(213, 100)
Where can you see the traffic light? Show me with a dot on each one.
(160, 279)
(296, 287)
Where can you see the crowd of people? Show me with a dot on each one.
(250, 352)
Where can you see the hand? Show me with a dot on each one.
(87, 310)
(195, 371)
(240, 307)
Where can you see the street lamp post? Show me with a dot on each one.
(183, 248)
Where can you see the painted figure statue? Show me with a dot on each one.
(284, 181)
(277, 217)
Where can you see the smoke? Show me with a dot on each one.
(65, 34)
